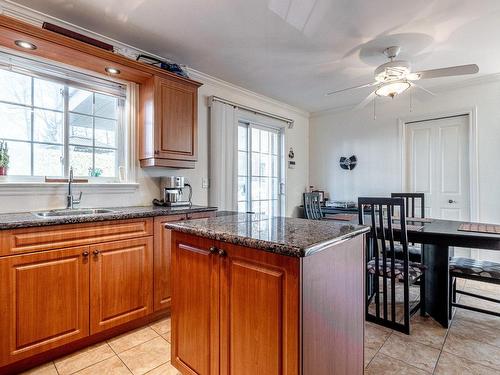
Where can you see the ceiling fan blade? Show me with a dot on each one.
(367, 101)
(448, 72)
(351, 88)
(421, 88)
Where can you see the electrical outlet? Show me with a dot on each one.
(204, 183)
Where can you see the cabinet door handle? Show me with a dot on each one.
(96, 252)
(213, 250)
(222, 253)
(85, 254)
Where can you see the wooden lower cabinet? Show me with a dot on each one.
(121, 277)
(236, 310)
(44, 301)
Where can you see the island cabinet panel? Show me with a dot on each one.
(259, 312)
(45, 299)
(195, 340)
(121, 282)
(333, 309)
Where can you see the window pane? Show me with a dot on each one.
(80, 158)
(264, 142)
(265, 165)
(265, 188)
(242, 163)
(105, 132)
(81, 130)
(242, 188)
(48, 126)
(275, 170)
(255, 188)
(106, 106)
(242, 138)
(20, 159)
(105, 163)
(47, 160)
(48, 94)
(15, 122)
(274, 144)
(255, 164)
(15, 88)
(80, 101)
(255, 139)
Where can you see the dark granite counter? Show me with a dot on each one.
(280, 235)
(29, 219)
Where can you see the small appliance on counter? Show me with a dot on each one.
(173, 193)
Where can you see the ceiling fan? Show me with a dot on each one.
(395, 76)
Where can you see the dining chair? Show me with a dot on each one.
(385, 272)
(472, 269)
(312, 206)
(415, 208)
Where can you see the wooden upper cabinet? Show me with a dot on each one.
(121, 282)
(45, 300)
(169, 123)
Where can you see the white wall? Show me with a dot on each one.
(376, 143)
(297, 138)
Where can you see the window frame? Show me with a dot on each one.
(122, 128)
(280, 131)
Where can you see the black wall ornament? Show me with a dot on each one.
(348, 163)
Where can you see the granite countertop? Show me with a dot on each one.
(281, 235)
(29, 219)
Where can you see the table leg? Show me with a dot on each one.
(436, 260)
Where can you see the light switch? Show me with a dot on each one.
(204, 183)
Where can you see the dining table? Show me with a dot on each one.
(438, 237)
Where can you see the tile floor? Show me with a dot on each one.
(470, 346)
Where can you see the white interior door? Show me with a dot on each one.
(437, 164)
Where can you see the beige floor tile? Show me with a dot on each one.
(472, 350)
(130, 339)
(167, 336)
(161, 326)
(478, 285)
(83, 358)
(483, 319)
(426, 331)
(413, 353)
(476, 331)
(374, 339)
(147, 356)
(449, 364)
(383, 364)
(46, 369)
(110, 366)
(165, 369)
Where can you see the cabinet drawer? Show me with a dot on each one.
(59, 236)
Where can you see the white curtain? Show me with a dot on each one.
(223, 156)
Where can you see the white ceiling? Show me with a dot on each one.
(297, 50)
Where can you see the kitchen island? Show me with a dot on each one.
(257, 295)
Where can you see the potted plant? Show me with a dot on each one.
(4, 158)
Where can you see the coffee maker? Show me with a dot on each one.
(174, 190)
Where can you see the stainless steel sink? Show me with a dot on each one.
(75, 212)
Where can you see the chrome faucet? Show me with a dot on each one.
(70, 200)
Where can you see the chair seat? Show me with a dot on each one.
(472, 267)
(414, 270)
(414, 252)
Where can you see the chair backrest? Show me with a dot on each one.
(312, 206)
(412, 202)
(378, 214)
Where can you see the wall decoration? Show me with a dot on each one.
(348, 163)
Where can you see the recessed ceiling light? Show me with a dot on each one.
(111, 70)
(24, 44)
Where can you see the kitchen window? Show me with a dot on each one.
(260, 167)
(51, 123)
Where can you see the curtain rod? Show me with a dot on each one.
(256, 111)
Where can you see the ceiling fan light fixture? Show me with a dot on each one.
(391, 89)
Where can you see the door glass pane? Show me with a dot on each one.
(48, 126)
(15, 87)
(242, 163)
(47, 160)
(48, 94)
(255, 140)
(242, 138)
(15, 122)
(242, 188)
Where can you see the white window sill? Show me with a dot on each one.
(48, 188)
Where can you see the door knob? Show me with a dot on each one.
(451, 201)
